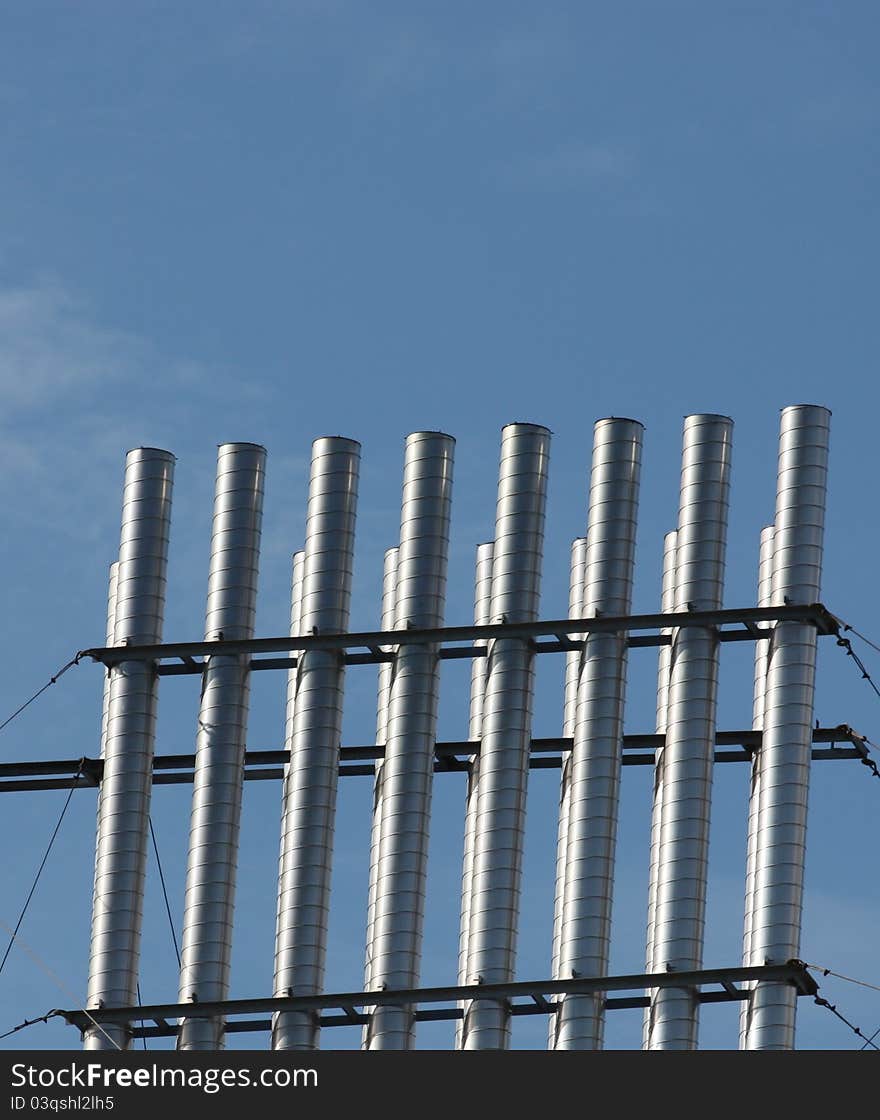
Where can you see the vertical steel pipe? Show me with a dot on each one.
(764, 599)
(124, 800)
(569, 707)
(667, 605)
(594, 792)
(688, 756)
(788, 721)
(314, 740)
(482, 616)
(296, 583)
(297, 567)
(383, 692)
(112, 581)
(408, 767)
(209, 901)
(506, 730)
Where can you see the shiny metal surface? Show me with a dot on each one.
(667, 605)
(124, 799)
(679, 914)
(788, 720)
(506, 730)
(594, 785)
(383, 691)
(572, 667)
(762, 649)
(482, 615)
(314, 738)
(112, 580)
(298, 562)
(408, 768)
(209, 901)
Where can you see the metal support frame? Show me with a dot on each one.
(735, 625)
(560, 635)
(794, 973)
(451, 756)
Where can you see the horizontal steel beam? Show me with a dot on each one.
(794, 972)
(375, 642)
(438, 1014)
(450, 757)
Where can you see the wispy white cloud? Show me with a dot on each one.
(54, 348)
(49, 349)
(79, 392)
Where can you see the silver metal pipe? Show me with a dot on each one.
(764, 599)
(667, 605)
(506, 727)
(482, 617)
(680, 905)
(594, 792)
(383, 692)
(111, 629)
(572, 669)
(218, 776)
(408, 768)
(314, 740)
(788, 721)
(298, 562)
(124, 799)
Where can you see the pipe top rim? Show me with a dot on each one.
(707, 417)
(792, 407)
(337, 439)
(618, 420)
(158, 452)
(428, 434)
(241, 443)
(528, 425)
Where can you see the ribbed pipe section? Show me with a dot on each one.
(664, 657)
(482, 617)
(594, 792)
(314, 740)
(296, 584)
(112, 581)
(408, 768)
(507, 718)
(124, 800)
(297, 567)
(788, 722)
(209, 901)
(764, 599)
(572, 670)
(688, 757)
(383, 692)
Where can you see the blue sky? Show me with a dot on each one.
(277, 220)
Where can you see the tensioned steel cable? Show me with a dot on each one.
(38, 960)
(40, 691)
(840, 976)
(869, 762)
(52, 839)
(846, 626)
(870, 1041)
(846, 644)
(140, 1002)
(26, 1023)
(165, 892)
(833, 1009)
